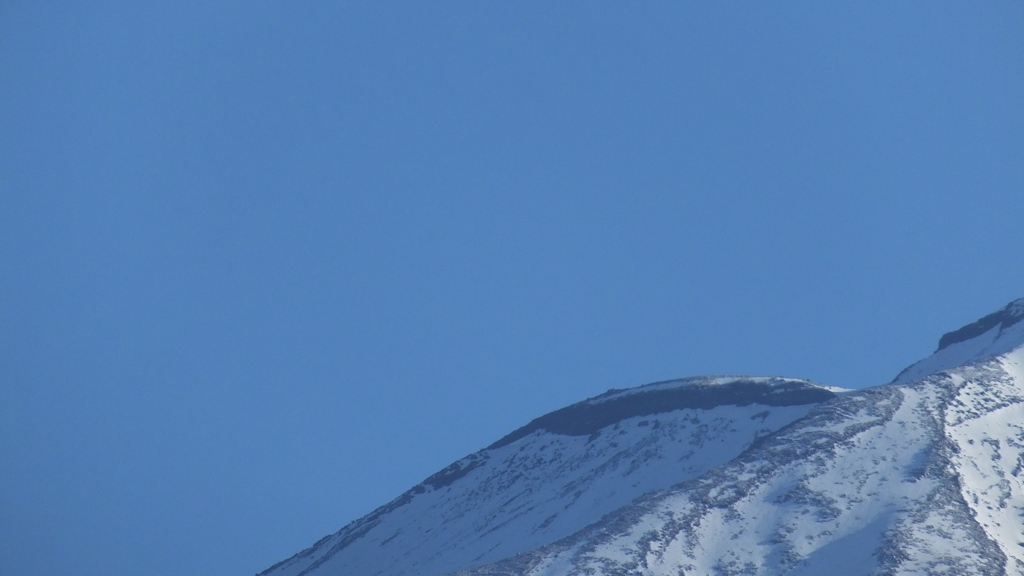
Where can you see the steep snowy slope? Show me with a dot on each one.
(918, 477)
(560, 473)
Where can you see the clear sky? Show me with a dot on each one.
(266, 265)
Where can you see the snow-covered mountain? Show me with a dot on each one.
(730, 476)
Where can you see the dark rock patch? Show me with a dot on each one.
(590, 416)
(1006, 317)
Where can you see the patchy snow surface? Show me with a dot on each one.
(985, 424)
(732, 476)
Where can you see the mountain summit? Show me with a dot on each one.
(995, 334)
(731, 476)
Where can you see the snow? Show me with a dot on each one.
(538, 489)
(999, 339)
(916, 478)
(921, 476)
(990, 454)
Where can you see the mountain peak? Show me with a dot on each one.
(560, 473)
(994, 334)
(1004, 319)
(731, 475)
(923, 476)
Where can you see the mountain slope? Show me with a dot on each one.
(560, 473)
(921, 477)
(731, 476)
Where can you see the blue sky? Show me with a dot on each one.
(264, 266)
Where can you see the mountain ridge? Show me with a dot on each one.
(521, 481)
(589, 416)
(730, 476)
